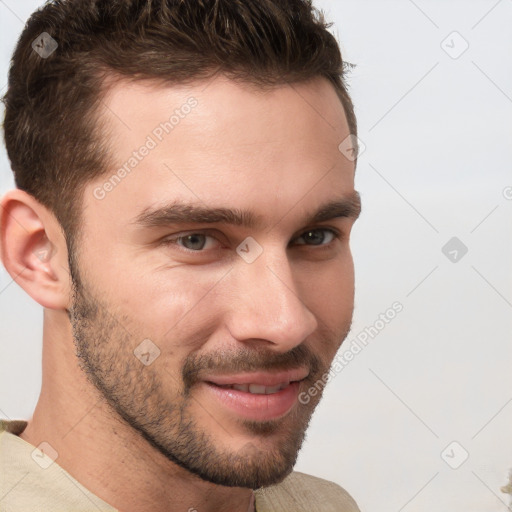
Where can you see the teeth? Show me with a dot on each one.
(257, 389)
(275, 389)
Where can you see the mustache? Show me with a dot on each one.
(248, 360)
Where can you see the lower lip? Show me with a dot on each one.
(256, 407)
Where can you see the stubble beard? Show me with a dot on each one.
(137, 394)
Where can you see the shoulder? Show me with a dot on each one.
(299, 492)
(30, 480)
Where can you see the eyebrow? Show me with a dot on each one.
(184, 213)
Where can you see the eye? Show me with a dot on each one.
(194, 241)
(320, 236)
(202, 243)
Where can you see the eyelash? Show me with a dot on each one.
(175, 239)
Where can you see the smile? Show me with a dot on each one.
(256, 389)
(257, 396)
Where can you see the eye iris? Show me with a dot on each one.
(314, 237)
(194, 242)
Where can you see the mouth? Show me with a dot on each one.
(255, 389)
(256, 396)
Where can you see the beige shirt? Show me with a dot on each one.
(31, 482)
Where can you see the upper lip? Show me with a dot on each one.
(261, 378)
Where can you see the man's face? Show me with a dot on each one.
(202, 327)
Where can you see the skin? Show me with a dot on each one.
(155, 437)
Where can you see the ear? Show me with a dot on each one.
(33, 249)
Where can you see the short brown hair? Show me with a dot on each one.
(52, 135)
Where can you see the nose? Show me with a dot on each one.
(267, 305)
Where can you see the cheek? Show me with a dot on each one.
(328, 291)
(331, 300)
(175, 307)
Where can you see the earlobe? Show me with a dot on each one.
(33, 249)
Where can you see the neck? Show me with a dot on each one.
(101, 451)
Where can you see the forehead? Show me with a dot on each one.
(220, 142)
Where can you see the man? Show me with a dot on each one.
(182, 213)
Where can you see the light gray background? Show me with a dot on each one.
(437, 164)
